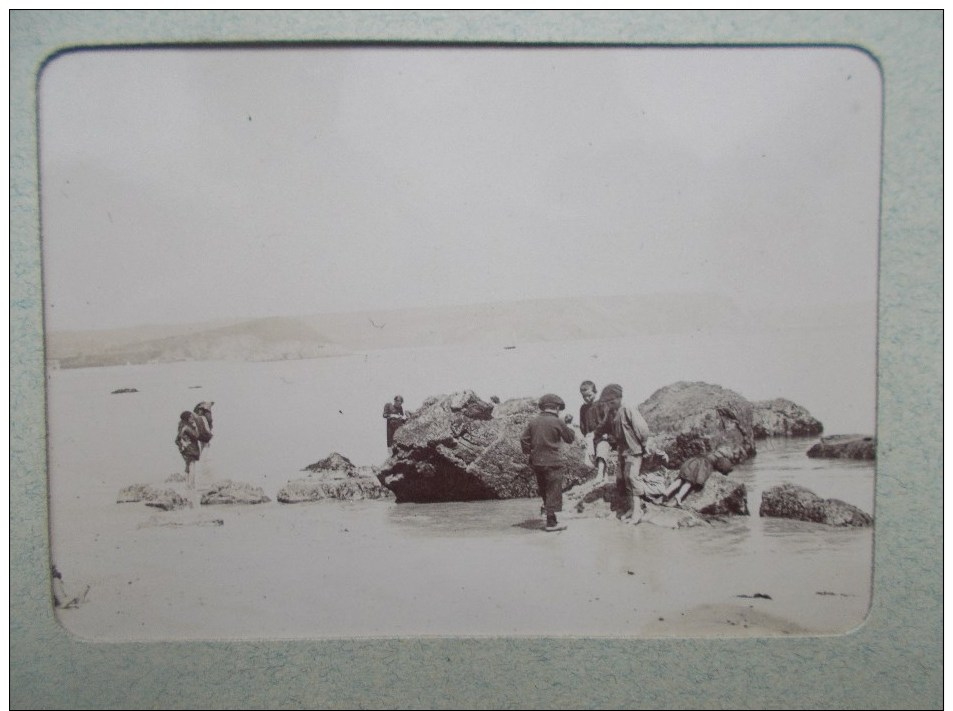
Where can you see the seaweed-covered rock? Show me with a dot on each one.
(783, 418)
(802, 504)
(334, 477)
(461, 448)
(337, 465)
(690, 419)
(233, 492)
(165, 499)
(343, 489)
(845, 447)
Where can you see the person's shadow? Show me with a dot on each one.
(531, 524)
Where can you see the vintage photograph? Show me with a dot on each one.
(353, 341)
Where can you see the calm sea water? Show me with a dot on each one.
(272, 419)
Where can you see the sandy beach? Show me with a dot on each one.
(376, 568)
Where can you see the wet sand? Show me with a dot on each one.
(375, 568)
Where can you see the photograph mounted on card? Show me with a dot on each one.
(397, 340)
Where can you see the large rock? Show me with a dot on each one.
(233, 492)
(783, 418)
(845, 447)
(461, 448)
(689, 419)
(334, 477)
(165, 499)
(802, 504)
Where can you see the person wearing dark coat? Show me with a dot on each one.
(541, 440)
(394, 414)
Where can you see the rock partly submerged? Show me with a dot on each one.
(334, 477)
(461, 448)
(845, 447)
(227, 492)
(799, 503)
(783, 418)
(691, 419)
(165, 499)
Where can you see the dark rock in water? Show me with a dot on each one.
(461, 448)
(165, 499)
(343, 489)
(720, 496)
(802, 504)
(120, 391)
(783, 418)
(232, 492)
(337, 465)
(845, 447)
(690, 419)
(335, 477)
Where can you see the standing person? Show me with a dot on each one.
(203, 421)
(394, 414)
(540, 440)
(597, 452)
(187, 440)
(630, 433)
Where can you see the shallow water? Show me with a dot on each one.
(376, 568)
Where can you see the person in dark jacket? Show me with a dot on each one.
(394, 414)
(590, 417)
(187, 440)
(541, 440)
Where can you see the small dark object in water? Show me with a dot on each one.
(120, 391)
(758, 595)
(509, 348)
(194, 387)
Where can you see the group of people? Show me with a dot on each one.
(608, 424)
(193, 436)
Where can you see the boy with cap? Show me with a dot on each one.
(540, 441)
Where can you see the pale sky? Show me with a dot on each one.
(193, 185)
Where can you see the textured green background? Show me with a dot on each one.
(893, 661)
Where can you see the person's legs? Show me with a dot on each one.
(683, 491)
(554, 494)
(633, 487)
(541, 482)
(621, 489)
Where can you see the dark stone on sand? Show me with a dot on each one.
(120, 391)
(802, 504)
(783, 418)
(335, 477)
(233, 492)
(461, 448)
(845, 447)
(690, 419)
(165, 499)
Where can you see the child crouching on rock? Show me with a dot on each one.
(693, 474)
(540, 441)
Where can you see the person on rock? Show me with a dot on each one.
(629, 433)
(540, 441)
(394, 414)
(693, 474)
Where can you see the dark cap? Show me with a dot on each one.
(549, 401)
